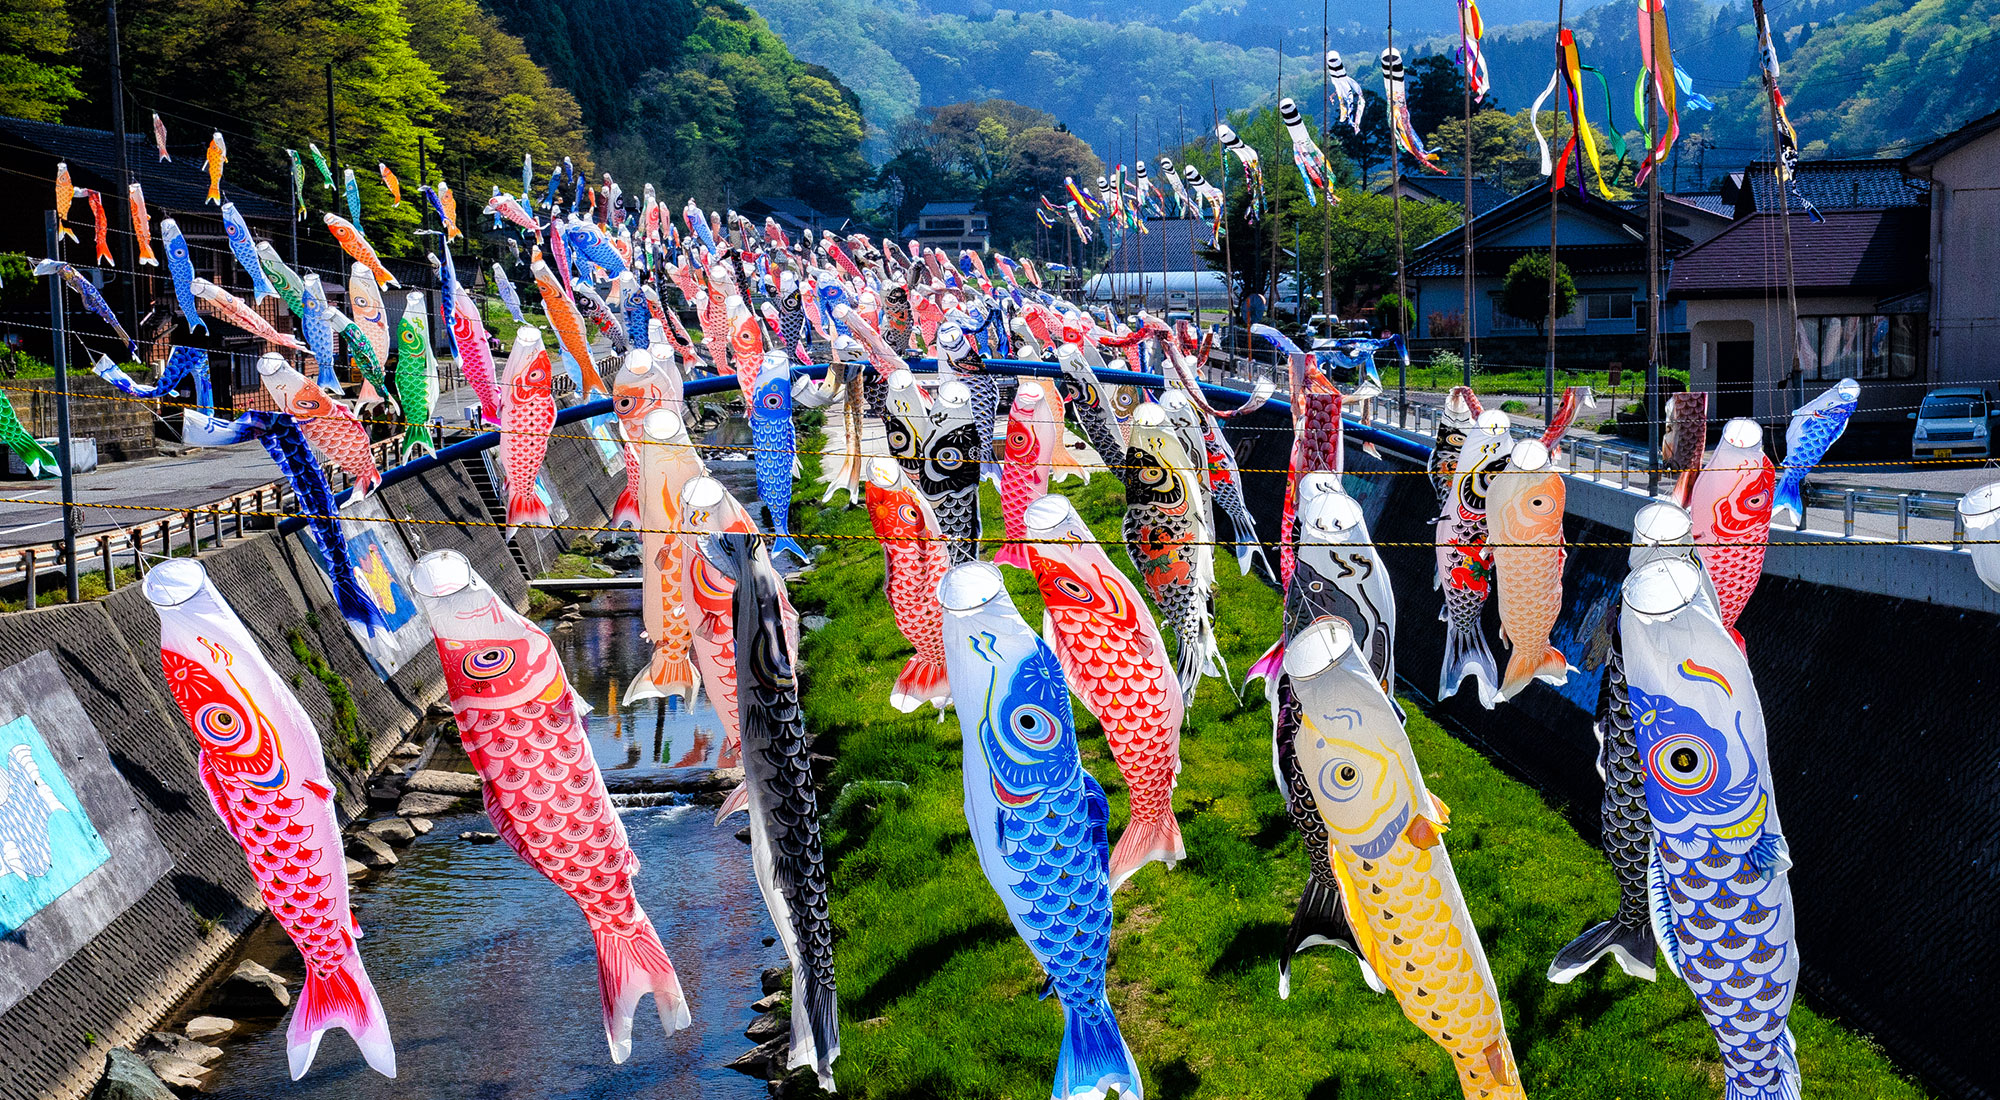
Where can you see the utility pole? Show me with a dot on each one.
(122, 200)
(60, 341)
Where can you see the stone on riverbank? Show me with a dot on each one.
(777, 978)
(252, 990)
(203, 1028)
(421, 825)
(357, 869)
(767, 1061)
(177, 1046)
(426, 804)
(432, 781)
(768, 1026)
(371, 850)
(178, 1073)
(128, 1077)
(392, 829)
(479, 837)
(770, 1003)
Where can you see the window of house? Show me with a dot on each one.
(1503, 322)
(1879, 345)
(1610, 305)
(979, 226)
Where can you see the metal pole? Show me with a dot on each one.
(1396, 203)
(1555, 195)
(61, 358)
(1651, 407)
(122, 200)
(1471, 316)
(332, 135)
(1325, 135)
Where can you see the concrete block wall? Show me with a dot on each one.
(122, 426)
(119, 985)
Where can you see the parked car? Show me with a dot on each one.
(1953, 422)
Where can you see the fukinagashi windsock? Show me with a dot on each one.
(1344, 90)
(260, 760)
(914, 560)
(1253, 168)
(1385, 836)
(330, 426)
(1815, 427)
(416, 376)
(776, 438)
(527, 415)
(667, 463)
(1731, 506)
(523, 728)
(1465, 563)
(1525, 505)
(1117, 662)
(1721, 896)
(1306, 153)
(787, 853)
(1038, 820)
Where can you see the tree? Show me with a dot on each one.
(1395, 314)
(1503, 148)
(1525, 294)
(34, 36)
(1437, 93)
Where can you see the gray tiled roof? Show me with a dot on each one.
(1829, 185)
(181, 184)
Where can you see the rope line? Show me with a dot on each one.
(218, 512)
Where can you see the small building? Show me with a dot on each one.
(794, 215)
(1603, 245)
(1847, 184)
(1964, 233)
(1424, 187)
(1860, 277)
(953, 225)
(1161, 269)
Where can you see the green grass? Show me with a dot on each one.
(1484, 380)
(938, 994)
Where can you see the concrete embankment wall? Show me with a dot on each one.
(135, 962)
(1875, 666)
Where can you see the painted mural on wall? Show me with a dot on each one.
(47, 841)
(381, 565)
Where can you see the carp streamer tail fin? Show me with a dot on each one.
(665, 678)
(629, 966)
(1524, 667)
(343, 999)
(1144, 842)
(786, 544)
(1320, 919)
(1094, 1058)
(921, 682)
(524, 506)
(626, 510)
(1013, 554)
(1631, 945)
(1785, 1086)
(1466, 654)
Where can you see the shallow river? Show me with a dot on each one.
(486, 969)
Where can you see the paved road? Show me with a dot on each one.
(164, 485)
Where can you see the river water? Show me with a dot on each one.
(486, 969)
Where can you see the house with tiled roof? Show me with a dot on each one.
(1852, 184)
(1428, 188)
(1603, 244)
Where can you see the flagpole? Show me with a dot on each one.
(1555, 194)
(1771, 95)
(1326, 208)
(1471, 316)
(1396, 203)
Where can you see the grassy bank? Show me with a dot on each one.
(938, 994)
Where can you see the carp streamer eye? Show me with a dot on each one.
(1074, 589)
(219, 723)
(773, 399)
(487, 663)
(906, 513)
(948, 459)
(1683, 764)
(1339, 780)
(1036, 728)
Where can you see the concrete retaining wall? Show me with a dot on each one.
(1874, 665)
(113, 989)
